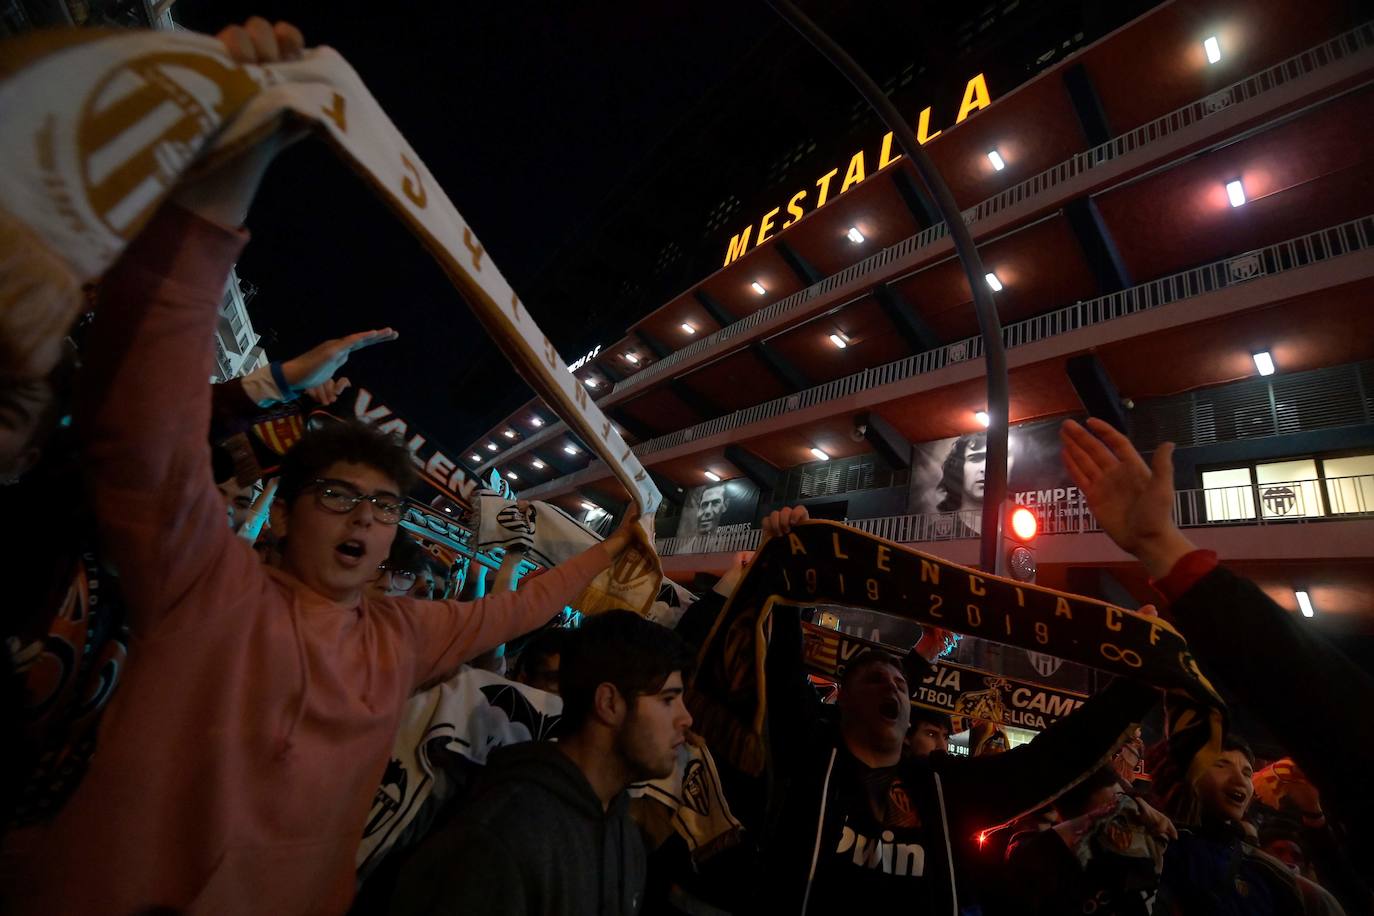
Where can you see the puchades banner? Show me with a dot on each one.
(715, 508)
(100, 127)
(826, 562)
(964, 693)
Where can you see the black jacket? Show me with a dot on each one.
(534, 840)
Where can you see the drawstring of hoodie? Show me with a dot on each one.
(287, 741)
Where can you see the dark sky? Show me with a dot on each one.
(530, 116)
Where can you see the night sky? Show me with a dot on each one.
(530, 116)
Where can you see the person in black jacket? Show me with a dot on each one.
(549, 830)
(850, 822)
(1297, 684)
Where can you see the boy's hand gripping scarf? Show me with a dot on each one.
(100, 128)
(829, 563)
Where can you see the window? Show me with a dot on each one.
(1229, 494)
(1349, 484)
(1289, 489)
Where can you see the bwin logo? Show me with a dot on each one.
(901, 859)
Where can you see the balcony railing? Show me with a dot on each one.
(1323, 55)
(1284, 502)
(1336, 241)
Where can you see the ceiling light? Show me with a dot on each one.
(588, 506)
(1304, 603)
(1264, 362)
(512, 475)
(839, 340)
(995, 283)
(590, 382)
(536, 463)
(477, 458)
(509, 434)
(996, 159)
(854, 235)
(570, 449)
(448, 509)
(491, 446)
(1213, 49)
(982, 417)
(1236, 192)
(688, 328)
(758, 287)
(820, 454)
(713, 476)
(536, 422)
(632, 359)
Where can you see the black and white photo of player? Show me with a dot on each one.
(723, 504)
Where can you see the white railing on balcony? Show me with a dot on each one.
(1323, 55)
(1329, 499)
(1315, 247)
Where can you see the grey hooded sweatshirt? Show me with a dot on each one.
(534, 840)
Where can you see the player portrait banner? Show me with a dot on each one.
(824, 562)
(100, 127)
(962, 692)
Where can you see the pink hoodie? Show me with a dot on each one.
(239, 758)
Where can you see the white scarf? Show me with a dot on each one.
(77, 186)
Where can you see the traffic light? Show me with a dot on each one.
(1022, 526)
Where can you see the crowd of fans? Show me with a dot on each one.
(204, 675)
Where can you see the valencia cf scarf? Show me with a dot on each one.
(101, 126)
(829, 563)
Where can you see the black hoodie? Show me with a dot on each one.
(534, 840)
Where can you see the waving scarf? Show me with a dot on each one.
(829, 563)
(100, 127)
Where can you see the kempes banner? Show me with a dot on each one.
(962, 692)
(948, 475)
(826, 562)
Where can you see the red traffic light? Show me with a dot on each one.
(1024, 524)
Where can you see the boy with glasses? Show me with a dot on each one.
(242, 753)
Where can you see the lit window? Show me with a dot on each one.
(996, 159)
(1213, 49)
(758, 287)
(1349, 483)
(1289, 489)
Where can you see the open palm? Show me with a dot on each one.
(1133, 501)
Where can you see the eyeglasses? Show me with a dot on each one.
(338, 496)
(400, 578)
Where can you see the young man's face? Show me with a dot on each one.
(711, 510)
(927, 738)
(875, 704)
(654, 728)
(1227, 786)
(337, 554)
(975, 462)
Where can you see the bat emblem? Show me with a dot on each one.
(519, 710)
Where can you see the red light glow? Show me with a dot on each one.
(1024, 523)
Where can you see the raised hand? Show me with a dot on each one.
(1132, 500)
(315, 368)
(781, 521)
(624, 534)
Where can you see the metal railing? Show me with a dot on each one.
(1335, 49)
(1283, 502)
(1293, 254)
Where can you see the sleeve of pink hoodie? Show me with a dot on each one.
(145, 418)
(448, 633)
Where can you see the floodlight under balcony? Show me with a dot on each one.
(854, 235)
(537, 464)
(839, 340)
(570, 449)
(996, 159)
(1264, 363)
(993, 282)
(982, 417)
(536, 422)
(491, 446)
(687, 328)
(1235, 191)
(632, 359)
(590, 382)
(477, 458)
(588, 506)
(512, 475)
(820, 454)
(1213, 48)
(712, 476)
(509, 434)
(758, 287)
(1304, 603)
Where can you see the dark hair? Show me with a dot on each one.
(620, 648)
(921, 715)
(866, 658)
(952, 474)
(1074, 801)
(1237, 743)
(540, 645)
(346, 440)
